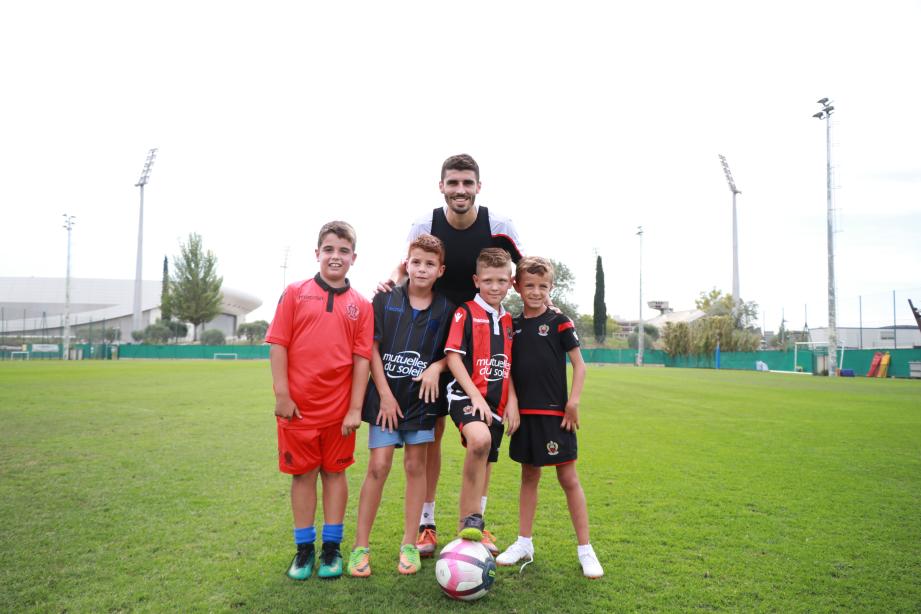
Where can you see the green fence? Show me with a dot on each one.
(209, 352)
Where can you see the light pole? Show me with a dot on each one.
(640, 332)
(145, 176)
(69, 221)
(825, 114)
(736, 299)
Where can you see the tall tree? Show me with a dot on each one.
(601, 311)
(563, 283)
(166, 312)
(195, 291)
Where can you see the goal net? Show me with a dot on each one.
(19, 356)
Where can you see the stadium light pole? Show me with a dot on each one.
(640, 332)
(69, 221)
(736, 299)
(825, 114)
(145, 176)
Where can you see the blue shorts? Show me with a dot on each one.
(379, 438)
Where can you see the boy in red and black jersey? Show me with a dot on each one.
(549, 414)
(481, 397)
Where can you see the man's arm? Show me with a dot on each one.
(278, 359)
(456, 365)
(571, 418)
(360, 369)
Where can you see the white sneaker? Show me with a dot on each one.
(591, 568)
(515, 553)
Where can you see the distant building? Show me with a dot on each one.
(34, 306)
(884, 338)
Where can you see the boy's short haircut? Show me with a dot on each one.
(460, 162)
(343, 230)
(493, 257)
(428, 243)
(535, 265)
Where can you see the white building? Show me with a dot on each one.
(885, 338)
(34, 306)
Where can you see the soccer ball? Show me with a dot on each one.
(465, 570)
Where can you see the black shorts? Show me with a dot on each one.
(460, 417)
(441, 403)
(541, 441)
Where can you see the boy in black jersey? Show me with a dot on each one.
(410, 331)
(549, 417)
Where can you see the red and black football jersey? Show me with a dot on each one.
(484, 337)
(539, 362)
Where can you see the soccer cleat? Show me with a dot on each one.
(427, 540)
(330, 561)
(472, 528)
(409, 560)
(591, 568)
(360, 563)
(302, 565)
(490, 542)
(514, 554)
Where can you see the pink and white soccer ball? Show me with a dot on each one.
(465, 570)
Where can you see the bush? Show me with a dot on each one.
(212, 337)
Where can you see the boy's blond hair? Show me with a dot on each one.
(343, 230)
(428, 243)
(535, 265)
(493, 257)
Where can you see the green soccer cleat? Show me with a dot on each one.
(360, 562)
(473, 527)
(410, 562)
(330, 561)
(301, 566)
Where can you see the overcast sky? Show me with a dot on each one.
(587, 119)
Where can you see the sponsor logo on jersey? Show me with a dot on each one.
(309, 297)
(553, 448)
(403, 364)
(351, 310)
(493, 368)
(481, 320)
(396, 308)
(458, 316)
(543, 330)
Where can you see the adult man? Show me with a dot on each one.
(465, 228)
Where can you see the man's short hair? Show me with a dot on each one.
(460, 162)
(493, 257)
(428, 243)
(343, 230)
(535, 265)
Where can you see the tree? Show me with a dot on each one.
(563, 283)
(157, 333)
(715, 303)
(255, 331)
(166, 312)
(601, 311)
(195, 289)
(649, 340)
(177, 329)
(212, 336)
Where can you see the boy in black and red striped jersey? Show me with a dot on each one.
(549, 416)
(481, 397)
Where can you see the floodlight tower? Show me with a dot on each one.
(145, 176)
(640, 332)
(736, 299)
(69, 221)
(825, 114)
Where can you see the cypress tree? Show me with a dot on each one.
(601, 311)
(166, 310)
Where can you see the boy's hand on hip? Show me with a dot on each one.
(571, 418)
(286, 408)
(351, 422)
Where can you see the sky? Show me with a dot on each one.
(588, 119)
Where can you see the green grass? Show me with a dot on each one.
(152, 486)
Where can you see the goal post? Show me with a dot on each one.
(811, 345)
(225, 356)
(20, 355)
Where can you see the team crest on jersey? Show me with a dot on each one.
(351, 310)
(543, 330)
(553, 448)
(509, 332)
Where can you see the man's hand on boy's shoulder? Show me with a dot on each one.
(571, 418)
(351, 422)
(286, 408)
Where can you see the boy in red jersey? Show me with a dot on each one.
(481, 398)
(321, 339)
(549, 417)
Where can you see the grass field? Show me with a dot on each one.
(152, 486)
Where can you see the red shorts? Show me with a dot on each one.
(303, 450)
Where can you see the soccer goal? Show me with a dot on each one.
(814, 345)
(225, 356)
(19, 355)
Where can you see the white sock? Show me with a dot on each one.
(483, 506)
(428, 513)
(526, 542)
(585, 549)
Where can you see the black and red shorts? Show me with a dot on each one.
(461, 411)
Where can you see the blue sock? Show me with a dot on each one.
(307, 535)
(332, 533)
